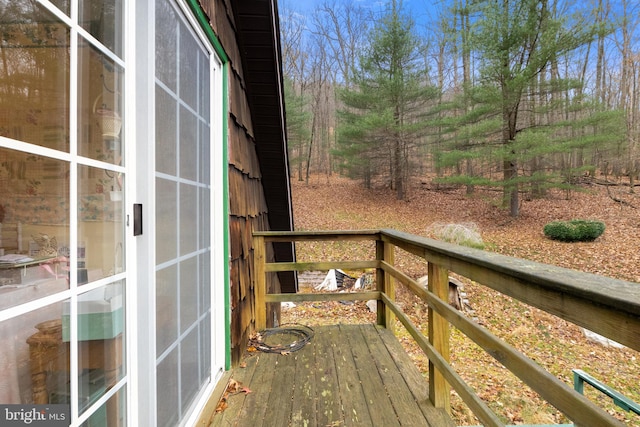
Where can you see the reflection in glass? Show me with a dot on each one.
(100, 105)
(166, 45)
(103, 20)
(100, 223)
(63, 5)
(101, 326)
(34, 227)
(188, 63)
(34, 75)
(103, 415)
(34, 359)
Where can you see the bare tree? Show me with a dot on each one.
(342, 26)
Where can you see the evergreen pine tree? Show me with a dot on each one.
(382, 121)
(517, 45)
(298, 132)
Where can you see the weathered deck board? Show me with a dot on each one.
(380, 406)
(416, 382)
(329, 411)
(401, 397)
(349, 375)
(356, 411)
(279, 404)
(304, 403)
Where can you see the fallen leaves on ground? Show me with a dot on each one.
(233, 387)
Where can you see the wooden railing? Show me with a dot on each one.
(607, 306)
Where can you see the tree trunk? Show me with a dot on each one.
(397, 166)
(511, 193)
(313, 130)
(466, 75)
(510, 164)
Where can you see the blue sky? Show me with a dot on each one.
(422, 11)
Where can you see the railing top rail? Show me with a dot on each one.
(291, 236)
(616, 294)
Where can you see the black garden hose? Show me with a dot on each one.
(303, 334)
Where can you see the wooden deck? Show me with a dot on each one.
(348, 375)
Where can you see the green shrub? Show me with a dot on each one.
(576, 230)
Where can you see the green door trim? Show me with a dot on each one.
(203, 21)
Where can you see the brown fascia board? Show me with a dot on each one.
(258, 35)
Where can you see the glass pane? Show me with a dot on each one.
(205, 283)
(103, 20)
(205, 153)
(188, 218)
(166, 214)
(101, 326)
(63, 5)
(188, 293)
(189, 369)
(34, 359)
(166, 308)
(100, 105)
(168, 389)
(112, 414)
(205, 83)
(34, 86)
(205, 343)
(166, 44)
(188, 145)
(189, 49)
(34, 227)
(100, 224)
(205, 209)
(166, 126)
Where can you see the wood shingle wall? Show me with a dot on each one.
(247, 204)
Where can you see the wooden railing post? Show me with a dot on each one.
(385, 283)
(260, 282)
(438, 337)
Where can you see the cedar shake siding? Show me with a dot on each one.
(259, 193)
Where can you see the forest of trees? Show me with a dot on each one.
(521, 96)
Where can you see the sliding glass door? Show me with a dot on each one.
(183, 214)
(63, 172)
(111, 285)
(188, 214)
